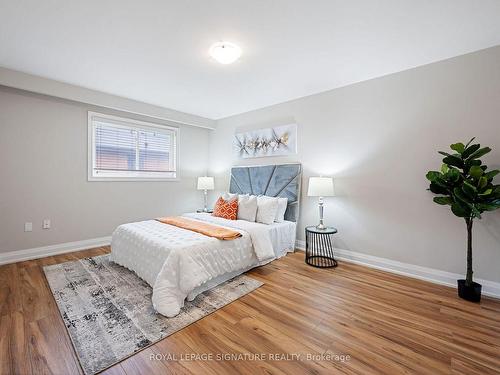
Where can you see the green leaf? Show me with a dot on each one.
(444, 168)
(458, 147)
(460, 195)
(441, 182)
(468, 164)
(465, 205)
(459, 210)
(471, 162)
(470, 150)
(488, 206)
(437, 189)
(475, 171)
(491, 174)
(483, 181)
(453, 175)
(444, 153)
(469, 190)
(481, 152)
(433, 175)
(486, 192)
(454, 160)
(468, 143)
(443, 200)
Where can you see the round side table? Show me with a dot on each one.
(319, 247)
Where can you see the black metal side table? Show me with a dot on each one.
(319, 247)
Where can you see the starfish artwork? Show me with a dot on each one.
(276, 141)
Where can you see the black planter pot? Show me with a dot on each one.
(470, 293)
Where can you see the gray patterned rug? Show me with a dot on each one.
(108, 312)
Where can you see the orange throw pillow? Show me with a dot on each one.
(226, 209)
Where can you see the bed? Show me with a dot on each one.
(179, 264)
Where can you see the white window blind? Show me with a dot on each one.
(125, 149)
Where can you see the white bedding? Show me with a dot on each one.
(178, 262)
(282, 235)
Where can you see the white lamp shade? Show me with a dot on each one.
(205, 183)
(320, 187)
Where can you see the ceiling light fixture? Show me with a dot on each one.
(225, 52)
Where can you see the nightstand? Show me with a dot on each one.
(319, 247)
(200, 210)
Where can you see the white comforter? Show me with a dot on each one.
(175, 261)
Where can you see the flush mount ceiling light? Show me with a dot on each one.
(225, 52)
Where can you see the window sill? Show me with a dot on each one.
(132, 179)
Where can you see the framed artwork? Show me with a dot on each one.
(276, 141)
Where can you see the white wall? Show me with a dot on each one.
(378, 139)
(62, 90)
(43, 174)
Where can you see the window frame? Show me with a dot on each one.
(127, 123)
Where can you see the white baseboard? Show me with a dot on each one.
(490, 288)
(45, 251)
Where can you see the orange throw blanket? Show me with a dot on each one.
(199, 227)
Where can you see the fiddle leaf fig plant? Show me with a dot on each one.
(466, 185)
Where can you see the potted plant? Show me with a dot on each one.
(466, 185)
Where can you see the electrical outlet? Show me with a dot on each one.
(46, 224)
(28, 227)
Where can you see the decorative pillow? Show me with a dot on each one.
(266, 209)
(247, 207)
(280, 214)
(229, 196)
(226, 209)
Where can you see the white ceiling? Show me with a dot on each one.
(157, 51)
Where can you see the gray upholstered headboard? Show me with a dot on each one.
(281, 180)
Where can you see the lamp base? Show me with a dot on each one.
(205, 194)
(320, 226)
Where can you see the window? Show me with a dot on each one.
(125, 149)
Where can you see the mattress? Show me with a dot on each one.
(282, 237)
(283, 240)
(179, 263)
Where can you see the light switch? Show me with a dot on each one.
(46, 224)
(28, 227)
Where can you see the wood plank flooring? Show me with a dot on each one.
(386, 324)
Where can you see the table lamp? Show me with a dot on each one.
(205, 183)
(320, 187)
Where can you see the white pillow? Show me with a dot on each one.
(231, 196)
(247, 207)
(280, 214)
(266, 209)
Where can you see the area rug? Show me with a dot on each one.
(108, 312)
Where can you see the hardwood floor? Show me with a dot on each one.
(387, 324)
